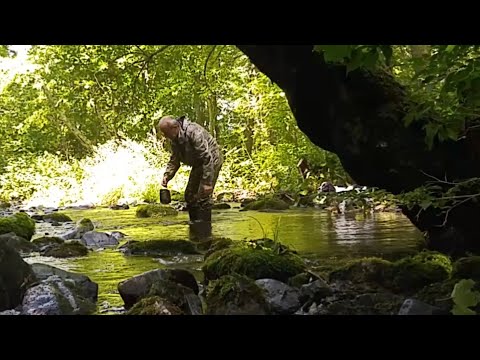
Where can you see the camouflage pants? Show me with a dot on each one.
(192, 191)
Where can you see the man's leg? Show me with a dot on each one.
(191, 192)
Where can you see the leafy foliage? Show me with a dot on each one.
(464, 298)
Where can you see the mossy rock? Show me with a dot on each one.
(87, 223)
(467, 268)
(235, 295)
(267, 204)
(438, 294)
(161, 247)
(56, 216)
(67, 250)
(154, 210)
(217, 245)
(47, 240)
(15, 277)
(367, 270)
(298, 280)
(18, 243)
(20, 224)
(181, 296)
(415, 272)
(154, 305)
(254, 263)
(221, 206)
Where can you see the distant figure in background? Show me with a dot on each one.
(326, 187)
(193, 146)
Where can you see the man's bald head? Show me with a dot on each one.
(169, 127)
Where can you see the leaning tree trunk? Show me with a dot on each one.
(360, 118)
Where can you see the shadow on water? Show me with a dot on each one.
(315, 234)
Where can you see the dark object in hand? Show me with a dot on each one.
(165, 197)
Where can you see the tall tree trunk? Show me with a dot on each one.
(360, 118)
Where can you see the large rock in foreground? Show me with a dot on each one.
(15, 277)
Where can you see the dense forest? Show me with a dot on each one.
(78, 127)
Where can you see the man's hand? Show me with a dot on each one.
(164, 181)
(206, 190)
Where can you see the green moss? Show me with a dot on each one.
(154, 305)
(66, 250)
(87, 223)
(234, 291)
(217, 245)
(47, 240)
(467, 268)
(172, 292)
(414, 272)
(438, 294)
(56, 216)
(364, 270)
(154, 210)
(298, 280)
(271, 204)
(162, 247)
(19, 223)
(254, 263)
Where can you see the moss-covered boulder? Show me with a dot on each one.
(154, 305)
(160, 248)
(47, 240)
(82, 227)
(66, 250)
(406, 275)
(267, 204)
(221, 206)
(139, 286)
(179, 295)
(254, 263)
(19, 223)
(57, 216)
(15, 277)
(367, 270)
(217, 245)
(235, 295)
(467, 268)
(154, 210)
(438, 294)
(415, 272)
(18, 243)
(300, 279)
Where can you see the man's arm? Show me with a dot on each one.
(172, 167)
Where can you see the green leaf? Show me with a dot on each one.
(333, 53)
(431, 130)
(425, 204)
(356, 60)
(450, 48)
(387, 52)
(409, 118)
(459, 310)
(371, 59)
(463, 295)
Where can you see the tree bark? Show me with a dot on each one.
(360, 118)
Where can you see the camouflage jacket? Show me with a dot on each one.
(194, 146)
